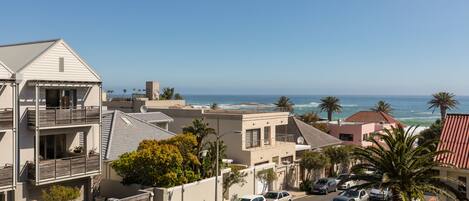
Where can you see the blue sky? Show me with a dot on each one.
(260, 46)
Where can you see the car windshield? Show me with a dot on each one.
(271, 195)
(350, 194)
(321, 181)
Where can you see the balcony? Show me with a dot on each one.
(6, 176)
(63, 168)
(6, 118)
(285, 138)
(55, 117)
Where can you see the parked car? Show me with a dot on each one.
(251, 198)
(352, 195)
(324, 186)
(380, 194)
(347, 184)
(278, 196)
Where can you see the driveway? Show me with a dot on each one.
(327, 197)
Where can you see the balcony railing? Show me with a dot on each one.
(6, 176)
(50, 117)
(285, 138)
(65, 167)
(6, 118)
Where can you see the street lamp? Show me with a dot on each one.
(218, 156)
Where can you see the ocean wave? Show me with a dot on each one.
(349, 105)
(311, 104)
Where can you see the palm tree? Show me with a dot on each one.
(284, 104)
(168, 94)
(382, 106)
(214, 106)
(124, 90)
(394, 162)
(310, 117)
(178, 96)
(443, 100)
(201, 130)
(330, 104)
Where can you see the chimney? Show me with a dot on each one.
(153, 90)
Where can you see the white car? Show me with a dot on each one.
(252, 198)
(278, 196)
(352, 195)
(345, 185)
(380, 194)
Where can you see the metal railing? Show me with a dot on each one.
(6, 118)
(6, 176)
(49, 117)
(65, 167)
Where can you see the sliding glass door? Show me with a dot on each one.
(52, 146)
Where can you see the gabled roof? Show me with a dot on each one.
(153, 117)
(455, 138)
(123, 133)
(313, 136)
(16, 56)
(372, 117)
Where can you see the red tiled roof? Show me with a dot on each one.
(455, 138)
(372, 117)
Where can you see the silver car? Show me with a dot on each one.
(352, 195)
(380, 194)
(278, 196)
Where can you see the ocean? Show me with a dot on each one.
(411, 110)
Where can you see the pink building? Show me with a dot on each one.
(357, 128)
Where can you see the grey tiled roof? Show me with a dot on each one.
(122, 133)
(16, 56)
(313, 136)
(152, 117)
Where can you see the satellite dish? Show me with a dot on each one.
(143, 109)
(300, 140)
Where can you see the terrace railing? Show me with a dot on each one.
(65, 167)
(285, 138)
(6, 118)
(6, 176)
(50, 117)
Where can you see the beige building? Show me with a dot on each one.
(8, 134)
(249, 136)
(59, 117)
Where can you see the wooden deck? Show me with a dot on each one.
(6, 118)
(67, 167)
(63, 117)
(6, 176)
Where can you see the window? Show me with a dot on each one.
(462, 188)
(285, 194)
(346, 137)
(365, 137)
(287, 159)
(267, 135)
(253, 138)
(52, 146)
(61, 64)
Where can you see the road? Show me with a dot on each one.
(327, 197)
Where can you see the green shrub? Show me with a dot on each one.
(60, 193)
(306, 185)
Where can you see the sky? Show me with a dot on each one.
(365, 47)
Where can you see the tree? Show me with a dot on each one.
(284, 104)
(235, 176)
(60, 193)
(124, 90)
(168, 94)
(178, 96)
(431, 133)
(201, 130)
(310, 117)
(209, 161)
(330, 104)
(338, 155)
(443, 100)
(266, 176)
(382, 106)
(214, 106)
(313, 162)
(397, 164)
(164, 163)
